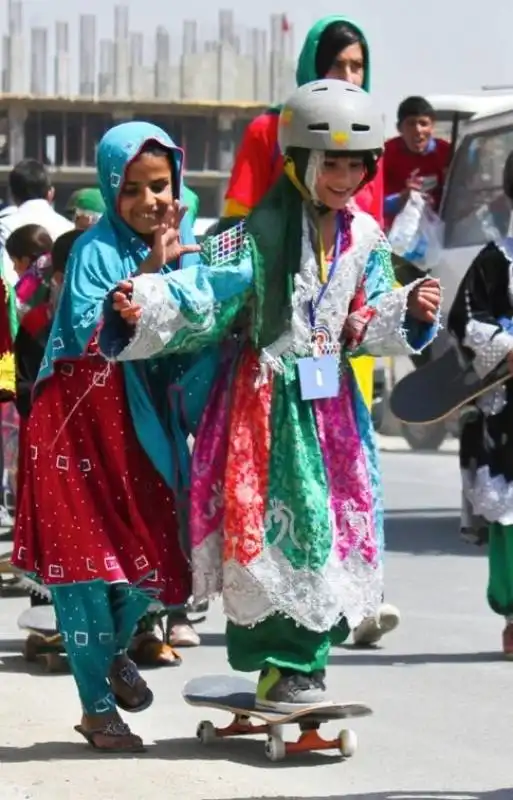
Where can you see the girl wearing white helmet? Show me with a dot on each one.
(286, 512)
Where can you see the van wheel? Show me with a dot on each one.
(424, 437)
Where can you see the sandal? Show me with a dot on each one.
(116, 735)
(124, 676)
(180, 633)
(147, 650)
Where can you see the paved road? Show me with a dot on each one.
(440, 690)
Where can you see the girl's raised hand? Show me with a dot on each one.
(166, 243)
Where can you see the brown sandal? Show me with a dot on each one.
(147, 650)
(113, 737)
(130, 690)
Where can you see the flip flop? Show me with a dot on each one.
(89, 737)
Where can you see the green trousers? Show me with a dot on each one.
(97, 621)
(500, 565)
(278, 641)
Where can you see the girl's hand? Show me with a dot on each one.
(424, 301)
(166, 242)
(122, 303)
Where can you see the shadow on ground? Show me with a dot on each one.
(497, 794)
(427, 532)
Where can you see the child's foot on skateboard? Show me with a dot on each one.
(109, 733)
(371, 629)
(507, 641)
(286, 691)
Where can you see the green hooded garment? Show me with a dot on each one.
(305, 70)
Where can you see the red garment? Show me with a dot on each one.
(400, 162)
(259, 164)
(92, 504)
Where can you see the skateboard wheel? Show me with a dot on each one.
(206, 732)
(275, 748)
(348, 743)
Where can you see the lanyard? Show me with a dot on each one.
(326, 279)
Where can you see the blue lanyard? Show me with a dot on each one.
(313, 306)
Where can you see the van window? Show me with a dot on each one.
(475, 209)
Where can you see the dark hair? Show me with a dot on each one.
(415, 107)
(154, 148)
(333, 39)
(29, 241)
(62, 248)
(370, 160)
(507, 177)
(29, 180)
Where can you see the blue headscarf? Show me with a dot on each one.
(160, 395)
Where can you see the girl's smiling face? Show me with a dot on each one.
(338, 179)
(146, 193)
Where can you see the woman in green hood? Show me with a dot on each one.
(335, 47)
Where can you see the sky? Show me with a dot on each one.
(417, 46)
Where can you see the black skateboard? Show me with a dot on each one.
(237, 696)
(440, 388)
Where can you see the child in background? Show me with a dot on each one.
(414, 160)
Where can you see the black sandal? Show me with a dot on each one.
(130, 676)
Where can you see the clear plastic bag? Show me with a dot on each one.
(417, 233)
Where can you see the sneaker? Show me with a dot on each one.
(287, 691)
(371, 630)
(507, 641)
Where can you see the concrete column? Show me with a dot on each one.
(226, 155)
(17, 117)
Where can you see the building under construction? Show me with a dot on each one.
(203, 91)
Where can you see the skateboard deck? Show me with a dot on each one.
(44, 642)
(440, 388)
(237, 696)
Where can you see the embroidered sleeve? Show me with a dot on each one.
(472, 320)
(185, 310)
(382, 325)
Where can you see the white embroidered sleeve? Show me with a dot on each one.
(489, 344)
(392, 330)
(160, 319)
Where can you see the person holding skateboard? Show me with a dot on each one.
(335, 47)
(286, 503)
(481, 319)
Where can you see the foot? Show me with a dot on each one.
(182, 634)
(284, 690)
(108, 732)
(507, 641)
(371, 630)
(147, 650)
(129, 688)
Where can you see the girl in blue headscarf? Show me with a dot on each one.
(106, 485)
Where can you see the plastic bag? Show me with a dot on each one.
(416, 233)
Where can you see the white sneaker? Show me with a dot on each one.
(371, 629)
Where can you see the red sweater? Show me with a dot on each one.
(401, 162)
(259, 164)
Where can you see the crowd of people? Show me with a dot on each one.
(130, 341)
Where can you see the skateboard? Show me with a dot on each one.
(237, 696)
(44, 642)
(439, 389)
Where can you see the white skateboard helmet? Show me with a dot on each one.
(331, 115)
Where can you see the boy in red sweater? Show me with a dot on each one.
(414, 160)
